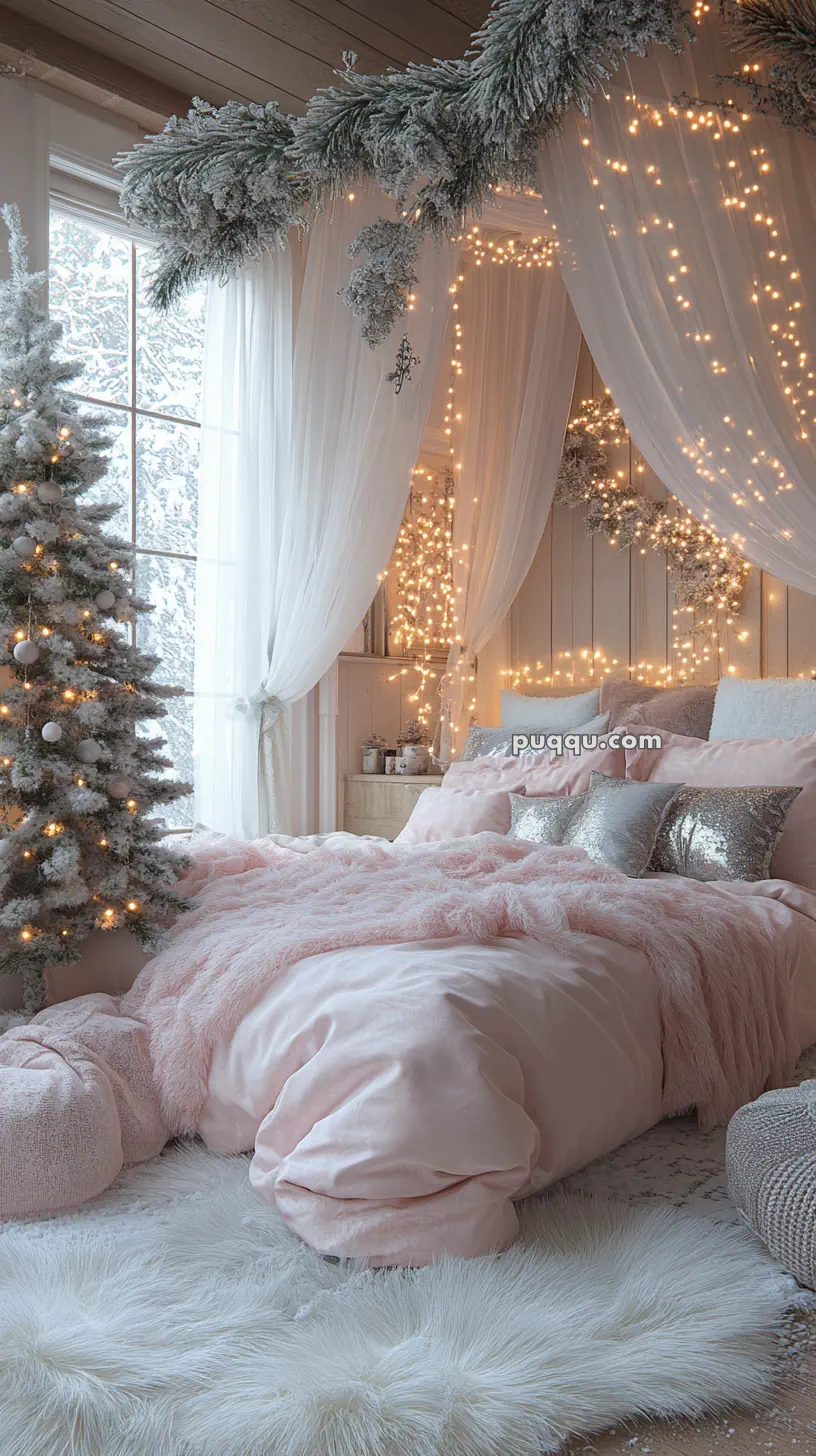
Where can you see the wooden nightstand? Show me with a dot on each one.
(382, 803)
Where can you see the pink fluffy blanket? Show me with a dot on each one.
(724, 999)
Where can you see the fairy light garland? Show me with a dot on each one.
(708, 575)
(537, 252)
(423, 618)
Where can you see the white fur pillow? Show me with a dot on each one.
(771, 707)
(518, 710)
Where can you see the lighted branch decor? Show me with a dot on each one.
(708, 576)
(222, 185)
(422, 624)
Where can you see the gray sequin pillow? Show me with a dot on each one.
(498, 742)
(542, 821)
(722, 834)
(617, 824)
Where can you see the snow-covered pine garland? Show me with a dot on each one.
(222, 185)
(707, 575)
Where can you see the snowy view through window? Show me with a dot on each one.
(144, 368)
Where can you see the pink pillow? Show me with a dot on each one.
(536, 774)
(679, 710)
(686, 709)
(745, 762)
(455, 816)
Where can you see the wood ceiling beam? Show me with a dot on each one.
(76, 59)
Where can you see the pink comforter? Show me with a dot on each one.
(411, 1039)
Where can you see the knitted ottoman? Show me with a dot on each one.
(771, 1163)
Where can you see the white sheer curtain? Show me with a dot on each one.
(687, 248)
(520, 341)
(306, 461)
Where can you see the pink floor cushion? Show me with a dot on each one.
(78, 1104)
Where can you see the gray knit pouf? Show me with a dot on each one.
(771, 1162)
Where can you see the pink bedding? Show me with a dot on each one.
(413, 1039)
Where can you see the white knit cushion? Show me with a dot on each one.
(771, 707)
(520, 710)
(771, 1162)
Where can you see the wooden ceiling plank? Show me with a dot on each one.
(355, 26)
(472, 12)
(71, 55)
(214, 40)
(143, 47)
(421, 22)
(309, 30)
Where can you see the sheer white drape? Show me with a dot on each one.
(305, 468)
(520, 341)
(687, 248)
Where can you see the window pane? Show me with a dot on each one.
(169, 631)
(89, 292)
(169, 349)
(177, 728)
(114, 487)
(166, 485)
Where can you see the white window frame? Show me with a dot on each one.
(87, 193)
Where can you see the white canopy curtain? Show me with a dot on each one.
(520, 341)
(306, 463)
(686, 242)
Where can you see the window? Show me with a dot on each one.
(143, 369)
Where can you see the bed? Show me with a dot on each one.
(413, 1037)
(460, 1036)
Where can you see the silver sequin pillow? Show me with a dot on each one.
(542, 821)
(722, 834)
(617, 824)
(498, 742)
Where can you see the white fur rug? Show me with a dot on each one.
(176, 1316)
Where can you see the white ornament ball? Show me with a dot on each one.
(89, 751)
(51, 732)
(24, 546)
(49, 493)
(105, 600)
(26, 652)
(118, 786)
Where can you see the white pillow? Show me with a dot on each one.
(771, 707)
(553, 714)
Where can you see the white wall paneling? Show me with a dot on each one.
(374, 696)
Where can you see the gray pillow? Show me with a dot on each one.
(542, 821)
(617, 824)
(721, 834)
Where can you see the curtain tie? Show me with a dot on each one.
(264, 707)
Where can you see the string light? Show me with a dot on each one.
(778, 295)
(423, 564)
(537, 252)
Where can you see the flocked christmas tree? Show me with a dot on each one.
(80, 846)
